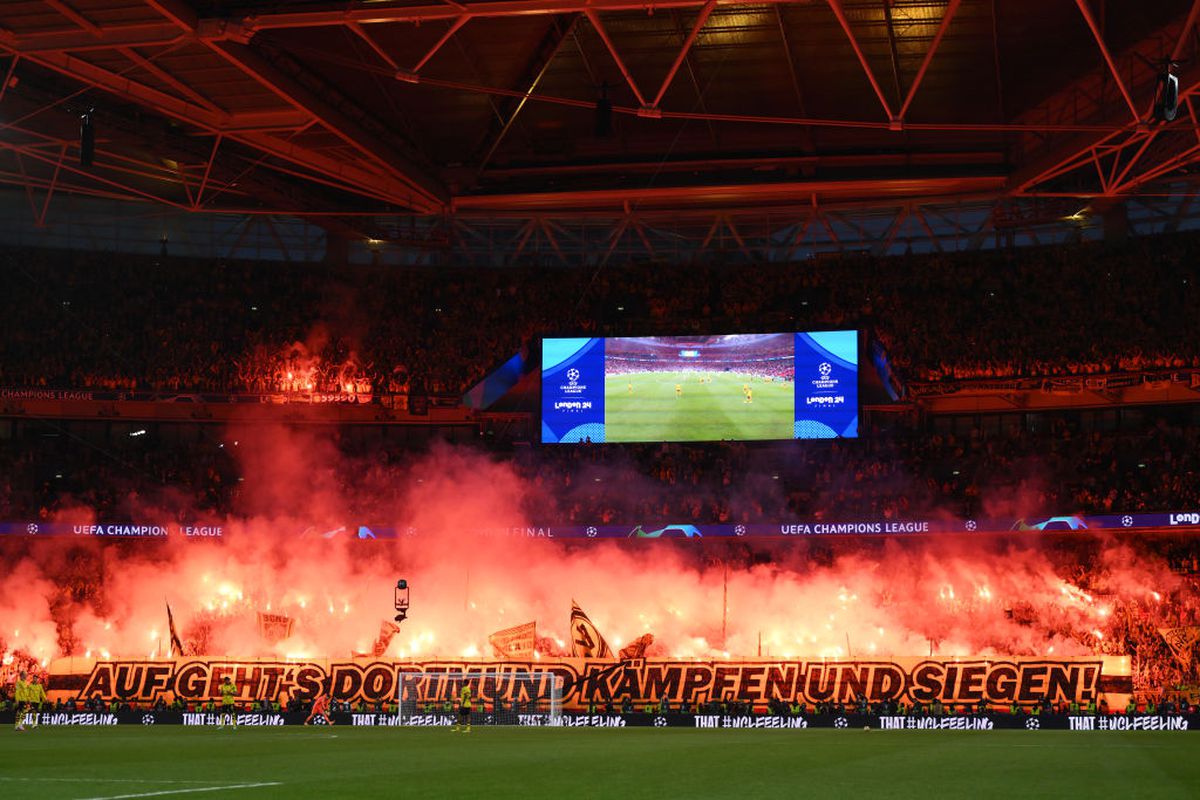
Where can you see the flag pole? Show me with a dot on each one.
(724, 602)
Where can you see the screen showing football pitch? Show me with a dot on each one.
(700, 388)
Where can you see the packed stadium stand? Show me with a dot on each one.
(841, 358)
(127, 322)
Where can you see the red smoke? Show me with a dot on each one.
(864, 598)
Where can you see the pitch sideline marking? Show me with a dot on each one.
(224, 788)
(100, 780)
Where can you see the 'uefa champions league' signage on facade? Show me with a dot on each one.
(153, 529)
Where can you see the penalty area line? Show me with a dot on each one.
(223, 788)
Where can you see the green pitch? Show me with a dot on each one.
(499, 763)
(712, 410)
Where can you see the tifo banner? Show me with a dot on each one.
(583, 681)
(515, 642)
(1180, 520)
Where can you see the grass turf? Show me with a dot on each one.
(708, 411)
(624, 763)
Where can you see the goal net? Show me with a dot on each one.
(511, 697)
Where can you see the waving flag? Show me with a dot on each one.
(176, 645)
(586, 641)
(515, 642)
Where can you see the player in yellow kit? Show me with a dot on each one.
(20, 700)
(749, 394)
(678, 390)
(229, 693)
(464, 709)
(35, 694)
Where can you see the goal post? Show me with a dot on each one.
(497, 697)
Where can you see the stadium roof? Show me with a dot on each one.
(723, 112)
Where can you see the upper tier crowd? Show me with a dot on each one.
(96, 320)
(1060, 468)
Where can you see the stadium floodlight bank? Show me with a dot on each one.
(509, 697)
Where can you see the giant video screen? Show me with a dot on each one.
(700, 388)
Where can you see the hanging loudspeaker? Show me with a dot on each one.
(87, 140)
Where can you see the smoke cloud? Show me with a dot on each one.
(479, 566)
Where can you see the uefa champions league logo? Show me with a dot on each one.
(1032, 724)
(573, 387)
(1127, 521)
(31, 528)
(841, 722)
(825, 379)
(591, 532)
(740, 530)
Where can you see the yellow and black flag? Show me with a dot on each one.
(1182, 641)
(586, 641)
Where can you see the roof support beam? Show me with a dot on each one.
(374, 45)
(183, 23)
(683, 51)
(1188, 156)
(549, 234)
(41, 216)
(61, 163)
(551, 43)
(836, 7)
(28, 181)
(73, 15)
(207, 170)
(1187, 29)
(177, 11)
(1090, 18)
(1031, 178)
(249, 128)
(161, 101)
(400, 12)
(453, 29)
(344, 175)
(892, 50)
(1118, 179)
(951, 9)
(425, 192)
(730, 195)
(695, 81)
(806, 140)
(595, 20)
(169, 79)
(140, 35)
